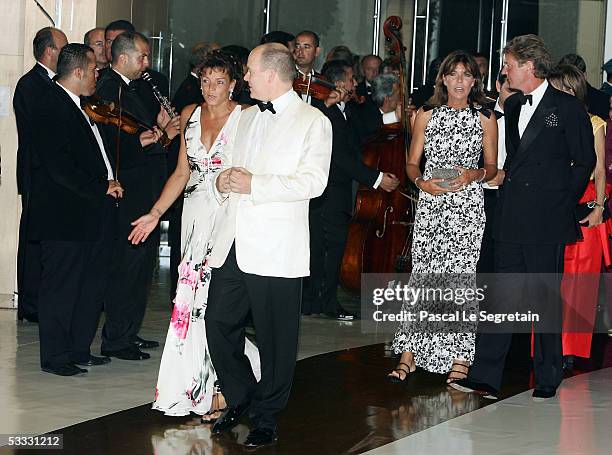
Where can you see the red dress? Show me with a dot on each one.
(580, 283)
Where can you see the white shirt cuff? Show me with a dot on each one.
(389, 117)
(378, 180)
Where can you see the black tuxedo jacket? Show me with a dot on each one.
(598, 102)
(68, 189)
(547, 171)
(363, 90)
(132, 154)
(30, 89)
(346, 164)
(366, 120)
(189, 92)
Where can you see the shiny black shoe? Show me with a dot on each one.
(93, 361)
(31, 317)
(229, 419)
(144, 344)
(63, 370)
(260, 437)
(132, 353)
(541, 394)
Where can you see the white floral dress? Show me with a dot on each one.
(446, 242)
(187, 377)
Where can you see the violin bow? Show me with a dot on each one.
(117, 151)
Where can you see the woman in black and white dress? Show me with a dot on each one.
(452, 132)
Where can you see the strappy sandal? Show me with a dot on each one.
(208, 417)
(399, 371)
(464, 374)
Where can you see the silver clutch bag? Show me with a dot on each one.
(445, 174)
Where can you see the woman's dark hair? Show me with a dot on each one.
(476, 95)
(568, 77)
(221, 60)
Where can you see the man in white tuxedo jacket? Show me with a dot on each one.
(280, 158)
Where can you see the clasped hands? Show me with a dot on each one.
(466, 176)
(234, 180)
(114, 189)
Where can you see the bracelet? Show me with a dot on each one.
(416, 180)
(483, 175)
(593, 204)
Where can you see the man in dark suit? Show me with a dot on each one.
(47, 44)
(142, 173)
(550, 156)
(330, 213)
(72, 207)
(370, 65)
(598, 101)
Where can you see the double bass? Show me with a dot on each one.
(380, 233)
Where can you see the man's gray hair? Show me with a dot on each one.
(277, 57)
(382, 86)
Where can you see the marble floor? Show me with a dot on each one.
(33, 402)
(340, 402)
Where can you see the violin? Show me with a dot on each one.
(107, 113)
(316, 86)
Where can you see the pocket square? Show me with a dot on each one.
(551, 120)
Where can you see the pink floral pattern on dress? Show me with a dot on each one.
(188, 275)
(181, 315)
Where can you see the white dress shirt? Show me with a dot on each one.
(49, 71)
(263, 121)
(95, 130)
(125, 79)
(501, 145)
(305, 96)
(527, 109)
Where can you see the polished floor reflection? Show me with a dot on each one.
(340, 404)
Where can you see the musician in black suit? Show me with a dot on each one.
(550, 156)
(47, 44)
(330, 213)
(370, 65)
(142, 169)
(382, 107)
(72, 207)
(598, 101)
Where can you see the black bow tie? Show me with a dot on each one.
(524, 98)
(269, 106)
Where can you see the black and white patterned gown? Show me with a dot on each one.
(447, 234)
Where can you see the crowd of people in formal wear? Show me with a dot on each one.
(257, 183)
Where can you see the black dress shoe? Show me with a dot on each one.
(260, 437)
(93, 361)
(541, 394)
(132, 353)
(230, 418)
(482, 389)
(63, 370)
(144, 344)
(32, 317)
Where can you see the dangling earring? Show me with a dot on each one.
(231, 94)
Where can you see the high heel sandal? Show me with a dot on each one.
(396, 379)
(463, 374)
(214, 406)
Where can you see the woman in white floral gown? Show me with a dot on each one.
(186, 381)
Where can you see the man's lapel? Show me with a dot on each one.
(78, 113)
(536, 123)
